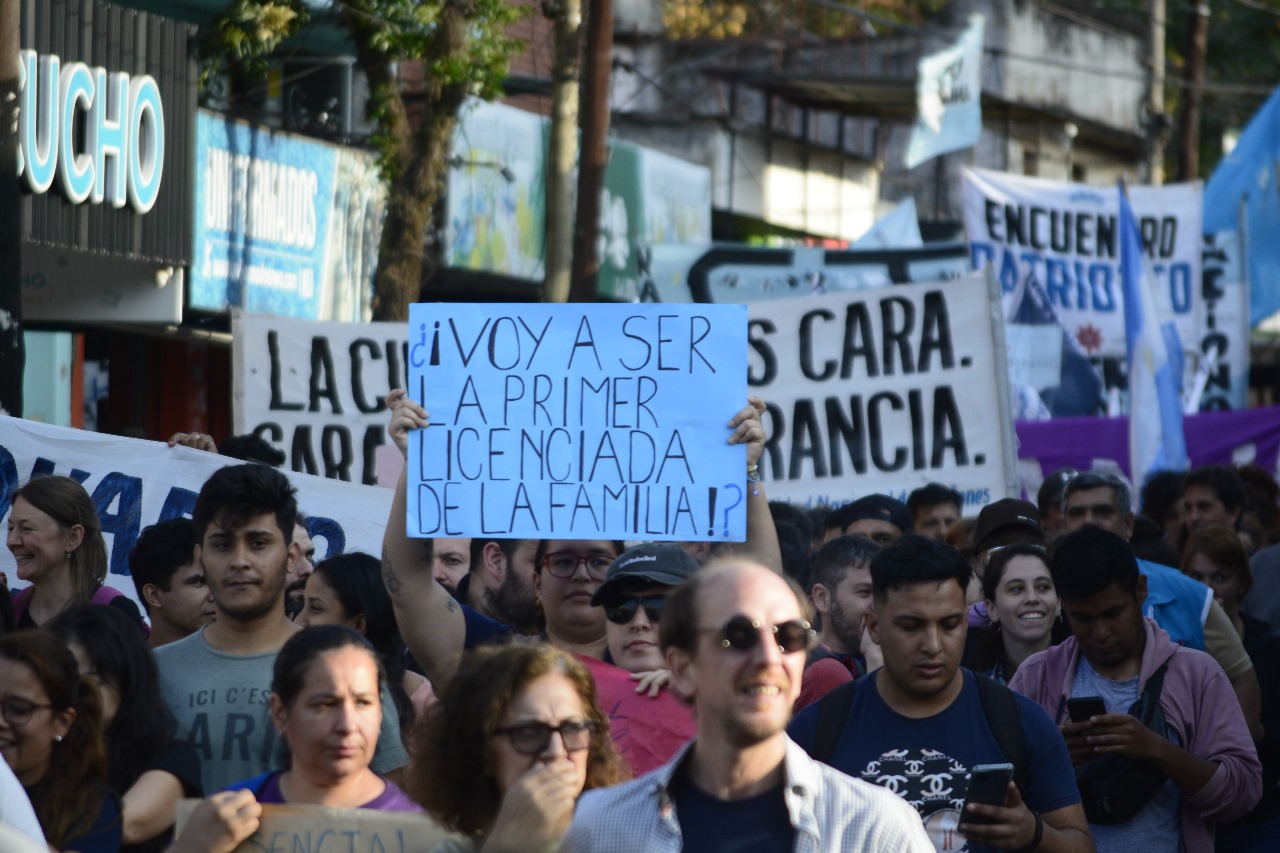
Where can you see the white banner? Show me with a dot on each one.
(315, 390)
(948, 98)
(1065, 237)
(1223, 341)
(883, 391)
(135, 483)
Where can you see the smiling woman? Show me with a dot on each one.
(55, 537)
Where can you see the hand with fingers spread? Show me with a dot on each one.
(537, 809)
(194, 440)
(406, 416)
(219, 824)
(652, 681)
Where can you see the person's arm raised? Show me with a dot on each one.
(430, 621)
(762, 536)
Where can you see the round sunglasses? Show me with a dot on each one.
(743, 633)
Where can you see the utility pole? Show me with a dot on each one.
(13, 354)
(595, 150)
(1193, 96)
(1155, 95)
(562, 150)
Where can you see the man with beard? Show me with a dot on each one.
(734, 639)
(301, 563)
(841, 592)
(217, 681)
(500, 581)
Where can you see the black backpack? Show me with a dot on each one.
(998, 703)
(1114, 788)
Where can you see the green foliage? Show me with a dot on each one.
(244, 35)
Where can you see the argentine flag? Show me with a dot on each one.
(1156, 439)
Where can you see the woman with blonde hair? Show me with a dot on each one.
(515, 739)
(55, 537)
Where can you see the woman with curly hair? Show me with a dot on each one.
(514, 741)
(55, 537)
(51, 736)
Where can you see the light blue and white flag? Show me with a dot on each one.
(948, 98)
(1156, 439)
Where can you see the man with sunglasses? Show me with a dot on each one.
(920, 724)
(735, 641)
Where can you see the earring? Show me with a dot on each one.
(58, 738)
(68, 555)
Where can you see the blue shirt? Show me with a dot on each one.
(926, 761)
(1177, 603)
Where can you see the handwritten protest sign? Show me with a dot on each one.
(135, 483)
(315, 390)
(320, 829)
(883, 391)
(577, 421)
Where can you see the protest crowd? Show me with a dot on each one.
(1096, 670)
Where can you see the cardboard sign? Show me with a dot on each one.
(320, 829)
(885, 390)
(135, 483)
(577, 421)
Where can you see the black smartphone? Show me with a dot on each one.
(988, 784)
(1081, 708)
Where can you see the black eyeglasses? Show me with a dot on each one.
(743, 634)
(18, 711)
(624, 611)
(534, 738)
(563, 564)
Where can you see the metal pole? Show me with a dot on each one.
(1155, 95)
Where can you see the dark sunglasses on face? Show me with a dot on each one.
(564, 564)
(534, 738)
(744, 634)
(625, 610)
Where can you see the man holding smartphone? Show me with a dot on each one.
(1191, 763)
(921, 725)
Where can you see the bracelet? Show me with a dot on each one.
(1035, 839)
(753, 473)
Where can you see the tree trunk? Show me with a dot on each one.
(563, 151)
(419, 154)
(598, 72)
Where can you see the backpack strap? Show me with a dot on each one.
(1005, 721)
(833, 716)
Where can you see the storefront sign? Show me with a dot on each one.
(121, 156)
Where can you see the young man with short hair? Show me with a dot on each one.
(735, 639)
(1212, 494)
(921, 724)
(217, 681)
(170, 581)
(934, 510)
(1202, 746)
(841, 593)
(1184, 608)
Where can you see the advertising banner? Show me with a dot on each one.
(135, 483)
(578, 421)
(884, 390)
(285, 224)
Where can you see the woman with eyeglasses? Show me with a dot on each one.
(566, 576)
(516, 737)
(51, 736)
(147, 767)
(325, 702)
(1025, 614)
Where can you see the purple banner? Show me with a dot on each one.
(1221, 438)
